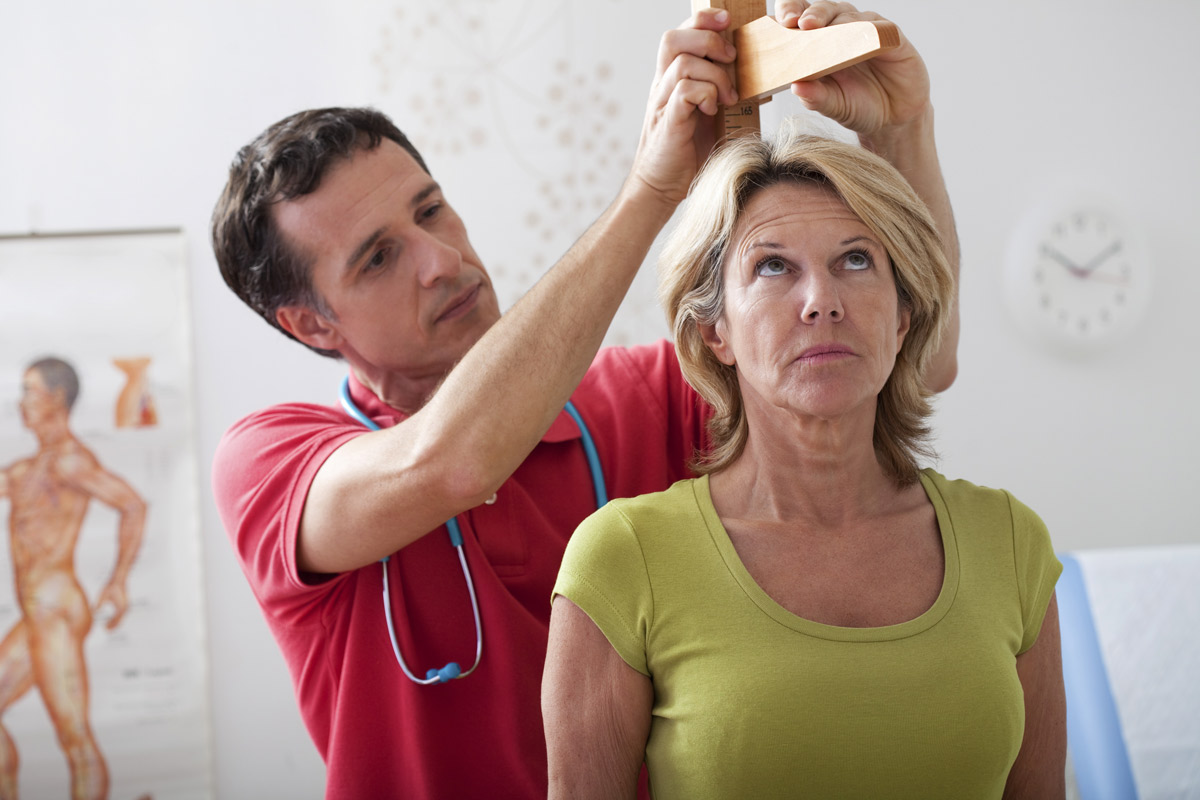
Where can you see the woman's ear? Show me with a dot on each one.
(905, 325)
(716, 339)
(309, 326)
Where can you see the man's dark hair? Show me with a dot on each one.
(58, 375)
(286, 161)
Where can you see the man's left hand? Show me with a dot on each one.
(889, 90)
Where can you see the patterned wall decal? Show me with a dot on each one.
(528, 117)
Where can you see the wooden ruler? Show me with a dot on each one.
(772, 57)
(740, 119)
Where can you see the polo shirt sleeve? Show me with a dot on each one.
(1037, 568)
(262, 470)
(604, 573)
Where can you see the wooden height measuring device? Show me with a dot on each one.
(771, 57)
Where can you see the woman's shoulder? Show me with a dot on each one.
(959, 493)
(978, 505)
(649, 515)
(681, 492)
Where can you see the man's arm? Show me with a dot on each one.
(119, 495)
(384, 490)
(885, 100)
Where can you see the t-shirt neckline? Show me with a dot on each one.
(923, 622)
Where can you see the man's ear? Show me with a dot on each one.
(714, 336)
(309, 326)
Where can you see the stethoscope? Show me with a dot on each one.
(452, 670)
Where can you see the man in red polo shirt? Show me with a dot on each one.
(332, 229)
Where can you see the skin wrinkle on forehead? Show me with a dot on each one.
(776, 246)
(830, 204)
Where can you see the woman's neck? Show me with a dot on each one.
(801, 469)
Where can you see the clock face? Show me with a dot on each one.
(1077, 275)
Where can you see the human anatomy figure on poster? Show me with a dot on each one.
(135, 404)
(49, 494)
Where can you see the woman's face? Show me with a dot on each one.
(812, 320)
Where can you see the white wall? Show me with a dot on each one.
(126, 114)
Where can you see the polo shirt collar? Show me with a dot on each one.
(563, 429)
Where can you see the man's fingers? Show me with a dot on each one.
(824, 12)
(687, 96)
(709, 19)
(814, 94)
(788, 12)
(692, 69)
(704, 44)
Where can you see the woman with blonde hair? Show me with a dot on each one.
(815, 615)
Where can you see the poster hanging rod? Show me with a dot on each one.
(80, 234)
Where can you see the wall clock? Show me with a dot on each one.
(1077, 275)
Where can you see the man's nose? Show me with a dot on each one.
(439, 260)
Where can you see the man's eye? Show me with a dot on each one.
(431, 211)
(770, 266)
(378, 260)
(857, 260)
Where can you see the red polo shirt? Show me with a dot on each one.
(380, 734)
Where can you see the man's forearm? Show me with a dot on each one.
(912, 150)
(548, 339)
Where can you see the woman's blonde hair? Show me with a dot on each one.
(691, 280)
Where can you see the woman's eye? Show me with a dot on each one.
(856, 261)
(770, 266)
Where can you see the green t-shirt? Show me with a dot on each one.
(753, 701)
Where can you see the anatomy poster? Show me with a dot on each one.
(103, 665)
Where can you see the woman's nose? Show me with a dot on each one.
(821, 299)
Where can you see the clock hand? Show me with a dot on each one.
(1101, 257)
(1102, 277)
(1078, 272)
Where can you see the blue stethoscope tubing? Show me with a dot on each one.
(452, 671)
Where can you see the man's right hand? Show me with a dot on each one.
(690, 86)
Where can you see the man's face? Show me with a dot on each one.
(392, 262)
(38, 402)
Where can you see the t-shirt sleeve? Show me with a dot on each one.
(1037, 568)
(604, 573)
